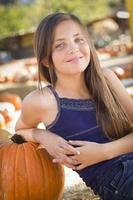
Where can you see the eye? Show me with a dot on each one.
(59, 46)
(80, 40)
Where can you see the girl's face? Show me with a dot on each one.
(70, 51)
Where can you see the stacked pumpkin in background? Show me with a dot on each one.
(9, 104)
(23, 76)
(26, 73)
(124, 71)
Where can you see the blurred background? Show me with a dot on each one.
(109, 22)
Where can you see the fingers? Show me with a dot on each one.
(77, 142)
(70, 163)
(68, 149)
(64, 163)
(75, 160)
(63, 159)
(68, 160)
(40, 146)
(80, 167)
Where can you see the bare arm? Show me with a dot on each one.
(112, 149)
(125, 144)
(120, 146)
(121, 92)
(31, 116)
(34, 110)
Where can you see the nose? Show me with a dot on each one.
(73, 48)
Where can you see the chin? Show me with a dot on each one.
(80, 68)
(75, 72)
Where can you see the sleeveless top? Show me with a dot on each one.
(76, 120)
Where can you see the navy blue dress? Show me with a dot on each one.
(76, 120)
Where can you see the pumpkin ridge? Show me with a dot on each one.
(59, 181)
(50, 169)
(46, 165)
(15, 160)
(41, 161)
(7, 154)
(31, 151)
(23, 145)
(18, 170)
(1, 156)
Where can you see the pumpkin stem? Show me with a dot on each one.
(18, 139)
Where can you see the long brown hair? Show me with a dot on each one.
(109, 112)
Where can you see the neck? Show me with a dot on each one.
(72, 87)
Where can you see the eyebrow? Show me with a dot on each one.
(61, 39)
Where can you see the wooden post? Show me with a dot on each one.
(129, 6)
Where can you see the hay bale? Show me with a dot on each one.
(79, 192)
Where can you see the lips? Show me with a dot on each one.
(74, 58)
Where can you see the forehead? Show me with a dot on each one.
(67, 28)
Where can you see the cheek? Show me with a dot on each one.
(55, 59)
(87, 53)
(58, 59)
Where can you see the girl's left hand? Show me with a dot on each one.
(90, 153)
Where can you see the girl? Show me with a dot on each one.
(86, 110)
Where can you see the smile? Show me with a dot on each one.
(76, 58)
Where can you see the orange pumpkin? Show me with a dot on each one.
(12, 98)
(2, 121)
(29, 174)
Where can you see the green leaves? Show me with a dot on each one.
(17, 17)
(13, 19)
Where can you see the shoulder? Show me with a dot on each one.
(115, 82)
(109, 74)
(39, 98)
(37, 103)
(120, 91)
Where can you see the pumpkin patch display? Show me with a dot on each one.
(11, 98)
(28, 173)
(2, 121)
(7, 110)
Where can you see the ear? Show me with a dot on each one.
(45, 62)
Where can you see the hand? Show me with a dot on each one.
(90, 153)
(59, 149)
